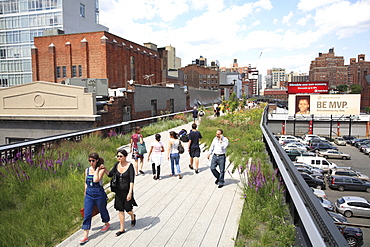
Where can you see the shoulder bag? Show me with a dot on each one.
(180, 148)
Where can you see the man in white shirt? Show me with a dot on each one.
(218, 152)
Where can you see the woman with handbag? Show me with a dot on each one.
(139, 158)
(94, 195)
(173, 154)
(123, 174)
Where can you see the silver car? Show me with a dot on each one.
(339, 141)
(334, 154)
(353, 206)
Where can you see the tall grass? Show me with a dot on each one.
(264, 217)
(41, 195)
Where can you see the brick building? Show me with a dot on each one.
(96, 55)
(359, 73)
(201, 77)
(328, 67)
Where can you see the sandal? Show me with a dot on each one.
(120, 233)
(133, 222)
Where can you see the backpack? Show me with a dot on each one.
(184, 138)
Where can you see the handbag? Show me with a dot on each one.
(141, 148)
(180, 148)
(94, 212)
(113, 183)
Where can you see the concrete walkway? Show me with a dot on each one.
(191, 211)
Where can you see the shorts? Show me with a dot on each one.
(136, 155)
(194, 152)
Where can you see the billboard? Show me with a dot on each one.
(308, 87)
(325, 104)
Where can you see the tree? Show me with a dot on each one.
(342, 88)
(355, 89)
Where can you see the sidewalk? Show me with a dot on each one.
(191, 211)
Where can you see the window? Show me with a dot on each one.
(200, 82)
(2, 53)
(82, 10)
(79, 70)
(74, 71)
(58, 72)
(64, 71)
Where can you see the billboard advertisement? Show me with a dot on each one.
(324, 104)
(308, 87)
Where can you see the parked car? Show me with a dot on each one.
(334, 154)
(354, 141)
(314, 182)
(348, 183)
(353, 235)
(348, 172)
(317, 162)
(312, 173)
(340, 141)
(316, 147)
(314, 169)
(289, 137)
(307, 138)
(328, 205)
(295, 146)
(319, 193)
(362, 147)
(363, 142)
(293, 154)
(353, 206)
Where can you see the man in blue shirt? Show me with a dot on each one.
(218, 149)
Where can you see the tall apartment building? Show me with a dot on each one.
(359, 73)
(328, 67)
(278, 77)
(22, 20)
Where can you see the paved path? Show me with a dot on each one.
(191, 211)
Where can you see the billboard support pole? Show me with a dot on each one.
(294, 125)
(350, 125)
(331, 125)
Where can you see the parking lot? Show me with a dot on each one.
(361, 163)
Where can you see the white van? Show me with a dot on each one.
(317, 162)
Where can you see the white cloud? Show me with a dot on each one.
(344, 18)
(275, 21)
(308, 5)
(303, 21)
(287, 18)
(256, 23)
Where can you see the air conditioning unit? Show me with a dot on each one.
(93, 85)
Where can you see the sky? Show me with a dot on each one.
(262, 33)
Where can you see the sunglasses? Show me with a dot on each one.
(92, 160)
(119, 156)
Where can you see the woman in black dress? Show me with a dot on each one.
(124, 200)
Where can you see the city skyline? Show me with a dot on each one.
(264, 33)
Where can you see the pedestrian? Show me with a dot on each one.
(123, 173)
(173, 154)
(194, 149)
(138, 158)
(195, 114)
(156, 159)
(218, 149)
(215, 105)
(94, 195)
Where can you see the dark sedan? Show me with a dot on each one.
(353, 235)
(316, 147)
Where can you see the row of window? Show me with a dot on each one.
(34, 20)
(16, 6)
(61, 71)
(14, 79)
(15, 66)
(209, 81)
(18, 37)
(20, 51)
(209, 76)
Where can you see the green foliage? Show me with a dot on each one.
(342, 88)
(355, 89)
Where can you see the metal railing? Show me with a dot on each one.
(314, 226)
(10, 151)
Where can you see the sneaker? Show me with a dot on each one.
(141, 172)
(180, 177)
(155, 177)
(83, 240)
(105, 228)
(196, 171)
(220, 185)
(191, 167)
(216, 182)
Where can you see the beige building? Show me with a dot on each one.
(27, 109)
